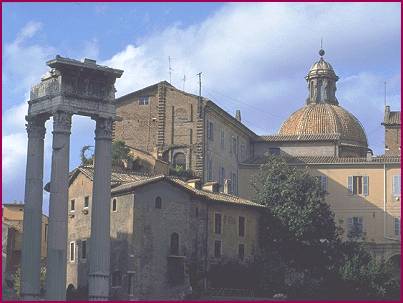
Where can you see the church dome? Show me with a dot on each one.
(325, 119)
(322, 116)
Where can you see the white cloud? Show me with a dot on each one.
(258, 54)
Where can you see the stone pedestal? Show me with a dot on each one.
(100, 214)
(58, 206)
(32, 225)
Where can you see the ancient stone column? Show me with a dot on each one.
(57, 239)
(100, 214)
(32, 226)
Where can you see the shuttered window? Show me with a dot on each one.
(396, 185)
(397, 226)
(358, 185)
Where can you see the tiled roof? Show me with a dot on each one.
(218, 197)
(302, 137)
(331, 160)
(118, 177)
(323, 118)
(392, 118)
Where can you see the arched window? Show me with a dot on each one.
(174, 244)
(158, 203)
(114, 205)
(179, 160)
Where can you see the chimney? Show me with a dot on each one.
(369, 155)
(195, 183)
(238, 115)
(211, 186)
(227, 186)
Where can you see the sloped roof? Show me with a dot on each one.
(302, 137)
(392, 118)
(118, 177)
(331, 160)
(217, 197)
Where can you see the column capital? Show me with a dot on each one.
(103, 128)
(35, 127)
(62, 122)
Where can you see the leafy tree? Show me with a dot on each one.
(297, 220)
(120, 152)
(299, 235)
(83, 157)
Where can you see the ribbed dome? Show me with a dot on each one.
(323, 119)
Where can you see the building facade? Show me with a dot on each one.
(164, 234)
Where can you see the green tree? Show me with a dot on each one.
(120, 152)
(84, 159)
(297, 220)
(299, 234)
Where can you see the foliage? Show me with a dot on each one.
(120, 152)
(83, 157)
(16, 279)
(180, 172)
(302, 252)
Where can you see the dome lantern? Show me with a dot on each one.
(321, 80)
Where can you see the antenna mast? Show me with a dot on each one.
(184, 80)
(170, 69)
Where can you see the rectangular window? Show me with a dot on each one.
(72, 251)
(143, 100)
(217, 249)
(234, 147)
(222, 139)
(396, 186)
(243, 153)
(241, 251)
(217, 223)
(72, 205)
(86, 201)
(130, 284)
(116, 278)
(355, 227)
(210, 131)
(209, 169)
(84, 249)
(323, 182)
(222, 176)
(241, 226)
(397, 226)
(114, 205)
(234, 182)
(358, 185)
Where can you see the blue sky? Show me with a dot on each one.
(253, 57)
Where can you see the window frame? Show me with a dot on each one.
(358, 185)
(144, 100)
(72, 205)
(84, 244)
(114, 205)
(72, 252)
(397, 227)
(241, 256)
(243, 226)
(217, 252)
(86, 199)
(217, 231)
(158, 202)
(394, 191)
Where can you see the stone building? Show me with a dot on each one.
(392, 131)
(184, 130)
(321, 135)
(12, 217)
(164, 232)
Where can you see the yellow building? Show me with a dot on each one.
(13, 216)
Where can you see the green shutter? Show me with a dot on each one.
(365, 181)
(350, 184)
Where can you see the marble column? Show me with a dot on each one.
(32, 225)
(99, 249)
(57, 239)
